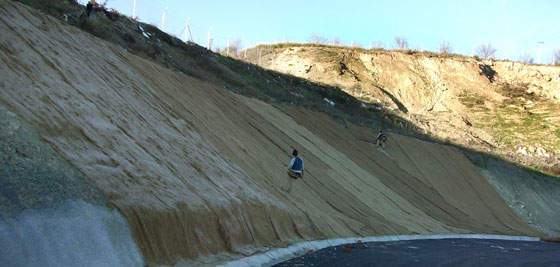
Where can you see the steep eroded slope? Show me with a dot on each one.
(197, 170)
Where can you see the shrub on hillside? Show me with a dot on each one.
(471, 100)
(100, 26)
(516, 91)
(112, 14)
(410, 51)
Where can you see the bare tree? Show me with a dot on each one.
(377, 44)
(444, 47)
(234, 46)
(485, 51)
(336, 41)
(556, 57)
(526, 58)
(401, 42)
(317, 39)
(357, 44)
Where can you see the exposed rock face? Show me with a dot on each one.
(419, 83)
(543, 80)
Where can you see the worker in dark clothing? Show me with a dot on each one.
(295, 169)
(89, 8)
(380, 139)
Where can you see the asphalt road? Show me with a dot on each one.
(441, 252)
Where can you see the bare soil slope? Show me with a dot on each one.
(509, 108)
(197, 170)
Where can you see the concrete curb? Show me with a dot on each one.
(275, 256)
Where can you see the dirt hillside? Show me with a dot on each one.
(198, 172)
(508, 108)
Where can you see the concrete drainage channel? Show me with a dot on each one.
(276, 256)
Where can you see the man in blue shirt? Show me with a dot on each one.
(295, 169)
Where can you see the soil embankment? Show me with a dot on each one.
(198, 171)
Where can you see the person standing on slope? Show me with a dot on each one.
(380, 139)
(89, 8)
(295, 169)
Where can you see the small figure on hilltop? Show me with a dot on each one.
(380, 139)
(295, 169)
(89, 8)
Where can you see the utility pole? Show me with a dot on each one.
(540, 52)
(134, 10)
(209, 40)
(163, 19)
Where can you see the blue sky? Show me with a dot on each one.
(513, 27)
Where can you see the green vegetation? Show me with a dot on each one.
(327, 55)
(521, 119)
(508, 127)
(471, 100)
(547, 171)
(100, 27)
(501, 130)
(517, 93)
(532, 119)
(512, 121)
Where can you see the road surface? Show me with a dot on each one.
(442, 252)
